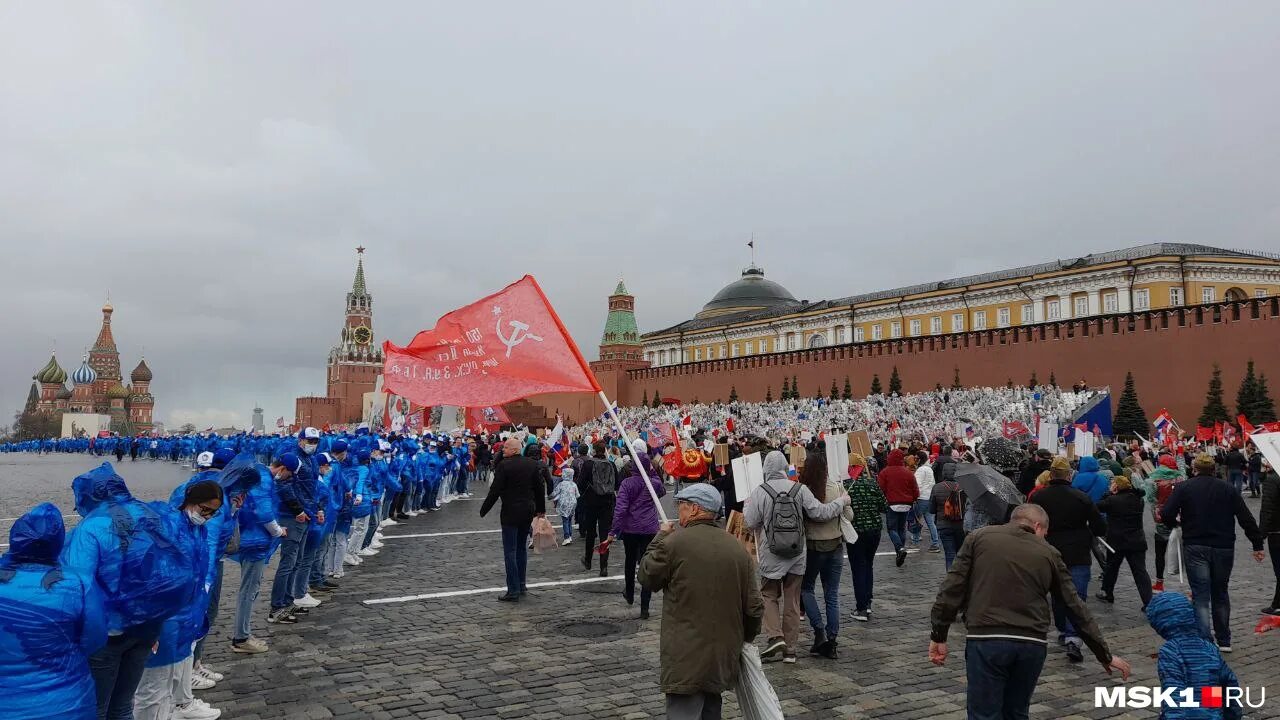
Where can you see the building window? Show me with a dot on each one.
(957, 322)
(857, 334)
(1081, 306)
(1110, 303)
(1028, 314)
(915, 328)
(764, 345)
(1002, 317)
(935, 325)
(895, 329)
(791, 341)
(724, 351)
(1175, 296)
(664, 357)
(1259, 292)
(1053, 310)
(840, 333)
(1208, 294)
(697, 353)
(751, 347)
(876, 332)
(1142, 299)
(817, 340)
(980, 320)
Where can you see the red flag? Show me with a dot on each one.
(1014, 429)
(490, 417)
(1204, 434)
(729, 424)
(1217, 431)
(687, 420)
(504, 347)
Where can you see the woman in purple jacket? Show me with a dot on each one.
(635, 520)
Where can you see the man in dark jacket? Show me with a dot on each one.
(1235, 463)
(1000, 579)
(518, 482)
(1039, 463)
(1208, 510)
(598, 490)
(1269, 523)
(1074, 521)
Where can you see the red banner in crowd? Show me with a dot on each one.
(1014, 430)
(1204, 434)
(504, 347)
(489, 417)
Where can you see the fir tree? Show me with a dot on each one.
(955, 381)
(1130, 418)
(1247, 396)
(768, 394)
(875, 384)
(795, 388)
(847, 394)
(733, 393)
(786, 389)
(835, 392)
(644, 401)
(1263, 407)
(1009, 383)
(937, 387)
(895, 382)
(1032, 383)
(1214, 409)
(657, 399)
(1053, 381)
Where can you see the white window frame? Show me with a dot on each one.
(1111, 303)
(724, 351)
(791, 341)
(1080, 306)
(1142, 299)
(1028, 314)
(859, 334)
(1002, 317)
(980, 320)
(1053, 309)
(895, 329)
(935, 325)
(957, 322)
(839, 334)
(697, 354)
(749, 348)
(1175, 296)
(915, 328)
(877, 331)
(1208, 294)
(1259, 292)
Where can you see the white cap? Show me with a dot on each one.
(310, 433)
(204, 459)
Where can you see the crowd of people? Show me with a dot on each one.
(111, 621)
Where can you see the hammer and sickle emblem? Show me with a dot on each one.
(519, 332)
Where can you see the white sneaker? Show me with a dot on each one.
(377, 536)
(339, 575)
(385, 523)
(375, 545)
(205, 671)
(412, 513)
(200, 682)
(196, 712)
(367, 552)
(306, 601)
(350, 560)
(567, 541)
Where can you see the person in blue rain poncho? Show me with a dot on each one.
(335, 491)
(165, 687)
(296, 508)
(51, 621)
(355, 508)
(386, 482)
(125, 545)
(315, 536)
(259, 536)
(1090, 481)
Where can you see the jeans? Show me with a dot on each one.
(324, 551)
(1236, 478)
(307, 562)
(1137, 560)
(699, 706)
(370, 528)
(827, 565)
(1255, 482)
(292, 546)
(211, 615)
(250, 583)
(1002, 677)
(566, 525)
(897, 522)
(462, 482)
(515, 555)
(952, 538)
(1080, 577)
(117, 669)
(1208, 573)
(921, 510)
(635, 545)
(862, 558)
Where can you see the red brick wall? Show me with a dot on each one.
(1171, 363)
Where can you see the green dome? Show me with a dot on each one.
(51, 373)
(117, 391)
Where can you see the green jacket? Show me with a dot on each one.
(711, 605)
(867, 502)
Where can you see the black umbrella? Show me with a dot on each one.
(991, 493)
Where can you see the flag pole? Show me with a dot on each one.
(648, 485)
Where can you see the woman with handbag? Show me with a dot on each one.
(823, 543)
(635, 520)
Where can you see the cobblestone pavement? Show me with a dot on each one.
(578, 651)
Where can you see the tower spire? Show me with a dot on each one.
(358, 287)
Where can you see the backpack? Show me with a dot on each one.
(785, 529)
(604, 477)
(1164, 488)
(953, 506)
(156, 577)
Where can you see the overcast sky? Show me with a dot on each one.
(214, 164)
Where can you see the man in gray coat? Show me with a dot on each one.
(782, 568)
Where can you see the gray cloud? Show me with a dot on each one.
(213, 165)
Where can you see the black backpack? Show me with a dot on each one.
(785, 530)
(604, 477)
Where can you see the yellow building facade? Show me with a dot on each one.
(753, 315)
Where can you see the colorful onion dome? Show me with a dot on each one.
(84, 375)
(117, 391)
(64, 393)
(51, 373)
(142, 373)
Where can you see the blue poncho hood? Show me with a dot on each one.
(37, 537)
(96, 487)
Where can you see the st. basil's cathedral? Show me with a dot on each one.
(96, 386)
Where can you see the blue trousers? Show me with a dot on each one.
(292, 546)
(1079, 576)
(515, 555)
(828, 566)
(1002, 677)
(1209, 572)
(117, 669)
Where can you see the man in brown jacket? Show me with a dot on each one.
(1000, 578)
(711, 605)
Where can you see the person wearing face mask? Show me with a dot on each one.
(296, 507)
(127, 547)
(306, 577)
(164, 690)
(260, 533)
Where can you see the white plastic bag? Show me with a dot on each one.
(1173, 556)
(846, 529)
(756, 697)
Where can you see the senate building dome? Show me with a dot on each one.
(750, 292)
